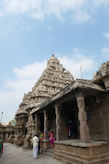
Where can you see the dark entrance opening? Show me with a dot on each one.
(70, 111)
(41, 122)
(52, 120)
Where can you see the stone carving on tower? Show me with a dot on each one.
(102, 75)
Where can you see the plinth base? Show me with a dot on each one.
(75, 152)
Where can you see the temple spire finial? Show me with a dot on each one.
(53, 55)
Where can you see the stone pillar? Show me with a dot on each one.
(45, 126)
(36, 123)
(84, 129)
(58, 121)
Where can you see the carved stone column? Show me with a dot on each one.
(45, 126)
(84, 129)
(58, 121)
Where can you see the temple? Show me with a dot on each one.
(76, 110)
(53, 79)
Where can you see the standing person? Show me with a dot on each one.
(51, 138)
(41, 142)
(35, 141)
(71, 129)
(0, 147)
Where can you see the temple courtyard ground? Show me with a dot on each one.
(16, 155)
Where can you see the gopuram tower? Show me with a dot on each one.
(53, 79)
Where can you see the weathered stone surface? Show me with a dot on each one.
(102, 75)
(99, 121)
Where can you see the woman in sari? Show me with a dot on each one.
(51, 138)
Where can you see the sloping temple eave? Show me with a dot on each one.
(72, 87)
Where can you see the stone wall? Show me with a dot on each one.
(63, 132)
(93, 153)
(99, 121)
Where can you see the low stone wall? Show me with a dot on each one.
(80, 153)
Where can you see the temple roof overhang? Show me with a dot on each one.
(78, 84)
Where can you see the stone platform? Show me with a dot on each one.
(75, 152)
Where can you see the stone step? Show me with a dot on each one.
(95, 157)
(70, 158)
(67, 153)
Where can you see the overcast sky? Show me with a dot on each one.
(77, 31)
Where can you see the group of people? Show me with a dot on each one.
(37, 143)
(1, 147)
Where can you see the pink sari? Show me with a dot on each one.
(51, 139)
